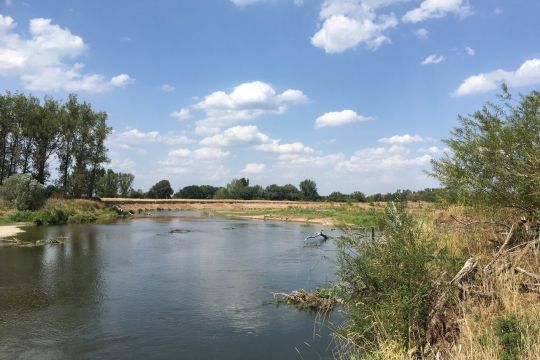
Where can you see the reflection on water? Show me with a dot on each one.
(136, 290)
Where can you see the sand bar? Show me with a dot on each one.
(9, 230)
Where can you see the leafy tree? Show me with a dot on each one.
(336, 196)
(24, 192)
(221, 193)
(358, 196)
(495, 154)
(239, 189)
(107, 185)
(309, 190)
(125, 181)
(161, 190)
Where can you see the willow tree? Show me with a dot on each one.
(494, 155)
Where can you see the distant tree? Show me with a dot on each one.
(24, 192)
(290, 192)
(189, 192)
(125, 182)
(309, 190)
(161, 190)
(136, 194)
(107, 185)
(494, 155)
(239, 189)
(336, 196)
(358, 196)
(221, 193)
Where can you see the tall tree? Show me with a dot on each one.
(309, 190)
(125, 183)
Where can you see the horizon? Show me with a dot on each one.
(356, 95)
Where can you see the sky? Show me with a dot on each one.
(356, 95)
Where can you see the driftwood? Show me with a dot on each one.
(501, 249)
(319, 234)
(527, 273)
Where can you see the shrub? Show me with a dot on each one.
(24, 192)
(389, 283)
(508, 330)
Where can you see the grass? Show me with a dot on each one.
(61, 211)
(337, 214)
(391, 286)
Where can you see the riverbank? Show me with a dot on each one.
(63, 211)
(324, 213)
(7, 231)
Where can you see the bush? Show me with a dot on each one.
(508, 330)
(23, 192)
(389, 283)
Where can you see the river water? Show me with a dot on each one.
(134, 290)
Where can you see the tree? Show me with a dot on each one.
(336, 196)
(24, 192)
(125, 182)
(107, 185)
(494, 155)
(161, 190)
(308, 189)
(240, 189)
(358, 196)
(221, 193)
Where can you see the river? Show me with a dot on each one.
(134, 290)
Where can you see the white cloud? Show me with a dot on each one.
(167, 87)
(527, 74)
(204, 153)
(181, 114)
(347, 23)
(245, 102)
(379, 160)
(401, 139)
(44, 61)
(433, 150)
(133, 137)
(253, 168)
(251, 136)
(337, 118)
(430, 9)
(433, 59)
(470, 51)
(498, 11)
(421, 33)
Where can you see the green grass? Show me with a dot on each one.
(60, 211)
(338, 214)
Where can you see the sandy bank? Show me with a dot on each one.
(9, 230)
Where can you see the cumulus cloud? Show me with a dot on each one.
(430, 9)
(252, 137)
(204, 153)
(44, 60)
(470, 51)
(433, 150)
(338, 118)
(181, 114)
(401, 139)
(133, 137)
(347, 23)
(421, 33)
(253, 168)
(527, 74)
(433, 59)
(167, 87)
(368, 160)
(245, 102)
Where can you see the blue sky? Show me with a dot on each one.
(353, 94)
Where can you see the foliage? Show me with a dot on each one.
(336, 196)
(196, 192)
(508, 330)
(221, 193)
(23, 192)
(495, 155)
(358, 196)
(389, 281)
(161, 190)
(31, 132)
(113, 184)
(309, 190)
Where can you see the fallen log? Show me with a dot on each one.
(501, 249)
(527, 273)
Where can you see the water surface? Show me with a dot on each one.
(134, 290)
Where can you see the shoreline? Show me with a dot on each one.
(7, 231)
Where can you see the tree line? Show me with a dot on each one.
(240, 189)
(32, 132)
